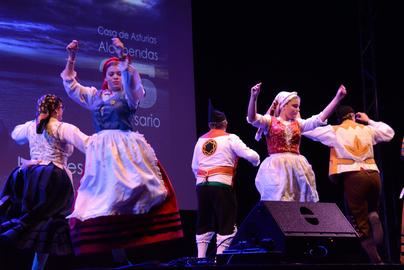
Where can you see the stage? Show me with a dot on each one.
(180, 254)
(261, 266)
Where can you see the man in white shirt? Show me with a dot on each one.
(214, 163)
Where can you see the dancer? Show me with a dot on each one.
(38, 195)
(352, 159)
(214, 163)
(285, 175)
(125, 198)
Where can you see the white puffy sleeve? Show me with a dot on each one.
(71, 134)
(82, 95)
(243, 151)
(325, 135)
(381, 131)
(262, 122)
(311, 123)
(133, 87)
(20, 133)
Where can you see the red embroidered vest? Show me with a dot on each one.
(283, 138)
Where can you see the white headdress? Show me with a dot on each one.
(282, 98)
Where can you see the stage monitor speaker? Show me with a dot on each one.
(300, 232)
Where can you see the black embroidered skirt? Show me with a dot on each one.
(36, 201)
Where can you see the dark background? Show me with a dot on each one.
(310, 47)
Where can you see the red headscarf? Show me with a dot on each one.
(104, 70)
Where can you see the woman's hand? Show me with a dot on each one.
(271, 110)
(72, 49)
(120, 51)
(252, 104)
(341, 92)
(255, 90)
(25, 163)
(119, 47)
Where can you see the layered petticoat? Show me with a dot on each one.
(286, 177)
(137, 204)
(121, 176)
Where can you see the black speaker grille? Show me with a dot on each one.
(322, 219)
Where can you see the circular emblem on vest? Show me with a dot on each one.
(209, 147)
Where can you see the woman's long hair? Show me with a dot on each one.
(46, 104)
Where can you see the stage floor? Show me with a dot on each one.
(262, 267)
(179, 255)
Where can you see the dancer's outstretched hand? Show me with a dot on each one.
(119, 47)
(255, 90)
(341, 92)
(72, 48)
